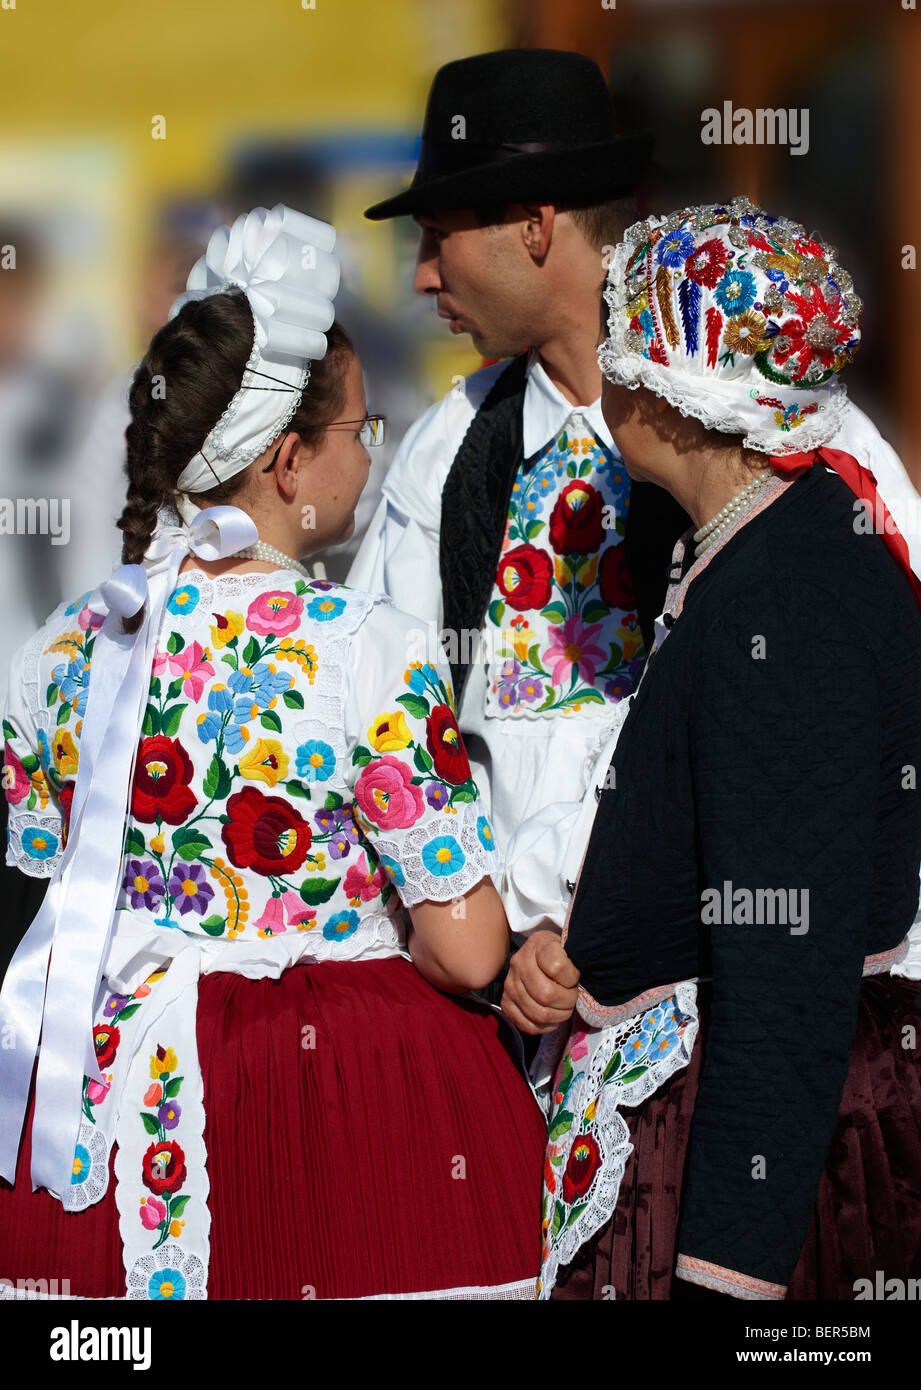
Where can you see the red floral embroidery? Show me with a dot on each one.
(525, 577)
(161, 781)
(265, 833)
(446, 745)
(707, 263)
(614, 578)
(584, 1162)
(106, 1038)
(163, 1167)
(576, 525)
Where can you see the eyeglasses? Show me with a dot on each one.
(370, 434)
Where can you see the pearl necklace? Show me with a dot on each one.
(718, 525)
(261, 550)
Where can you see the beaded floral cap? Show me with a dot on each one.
(740, 319)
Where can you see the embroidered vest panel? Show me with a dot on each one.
(562, 623)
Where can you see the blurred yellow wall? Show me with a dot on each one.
(85, 82)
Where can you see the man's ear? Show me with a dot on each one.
(536, 228)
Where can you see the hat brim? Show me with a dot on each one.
(578, 174)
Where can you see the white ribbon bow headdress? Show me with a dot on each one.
(282, 260)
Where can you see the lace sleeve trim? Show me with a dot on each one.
(44, 857)
(414, 862)
(40, 860)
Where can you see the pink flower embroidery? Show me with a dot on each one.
(190, 664)
(154, 1094)
(87, 618)
(272, 920)
(386, 796)
(277, 612)
(96, 1091)
(574, 646)
(297, 910)
(153, 1211)
(361, 883)
(578, 1046)
(21, 782)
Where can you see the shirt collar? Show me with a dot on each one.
(546, 411)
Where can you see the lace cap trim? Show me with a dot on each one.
(699, 403)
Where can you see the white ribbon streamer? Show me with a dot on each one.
(51, 983)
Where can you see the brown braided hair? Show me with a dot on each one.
(180, 389)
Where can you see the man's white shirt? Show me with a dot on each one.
(521, 764)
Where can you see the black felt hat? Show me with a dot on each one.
(515, 126)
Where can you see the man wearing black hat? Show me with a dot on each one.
(507, 515)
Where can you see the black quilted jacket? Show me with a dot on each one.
(774, 743)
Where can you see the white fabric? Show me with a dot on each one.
(546, 850)
(520, 764)
(283, 261)
(858, 436)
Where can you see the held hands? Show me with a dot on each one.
(541, 986)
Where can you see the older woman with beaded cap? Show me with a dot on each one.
(747, 896)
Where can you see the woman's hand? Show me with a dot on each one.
(541, 986)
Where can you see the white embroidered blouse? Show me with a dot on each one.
(299, 776)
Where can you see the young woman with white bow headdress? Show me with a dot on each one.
(265, 847)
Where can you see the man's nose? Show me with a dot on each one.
(427, 276)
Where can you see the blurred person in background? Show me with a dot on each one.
(97, 469)
(40, 403)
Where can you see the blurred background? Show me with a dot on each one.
(318, 104)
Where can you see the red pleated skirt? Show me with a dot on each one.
(401, 1153)
(868, 1210)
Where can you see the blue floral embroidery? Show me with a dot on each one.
(393, 870)
(44, 750)
(39, 844)
(184, 600)
(166, 1284)
(736, 292)
(341, 925)
(674, 249)
(82, 1165)
(72, 679)
(307, 765)
(443, 856)
(325, 609)
(208, 726)
(484, 833)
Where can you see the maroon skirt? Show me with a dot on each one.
(401, 1153)
(867, 1215)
